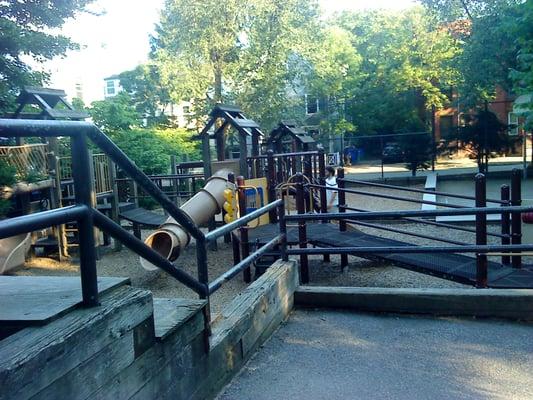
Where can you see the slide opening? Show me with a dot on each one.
(161, 242)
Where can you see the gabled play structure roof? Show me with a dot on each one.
(289, 128)
(47, 100)
(231, 116)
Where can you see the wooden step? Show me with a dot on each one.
(171, 314)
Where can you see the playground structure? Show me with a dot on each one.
(162, 331)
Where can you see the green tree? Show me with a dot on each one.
(489, 47)
(115, 114)
(485, 134)
(148, 94)
(7, 179)
(417, 151)
(214, 51)
(27, 29)
(406, 68)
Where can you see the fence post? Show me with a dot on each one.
(506, 222)
(283, 231)
(203, 277)
(481, 231)
(322, 182)
(245, 246)
(302, 229)
(227, 236)
(271, 184)
(342, 204)
(83, 189)
(516, 222)
(115, 202)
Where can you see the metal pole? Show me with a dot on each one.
(302, 231)
(323, 195)
(433, 138)
(506, 222)
(245, 246)
(231, 179)
(83, 189)
(481, 231)
(342, 203)
(283, 231)
(516, 217)
(271, 183)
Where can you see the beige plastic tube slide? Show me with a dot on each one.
(171, 238)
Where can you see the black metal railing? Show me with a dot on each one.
(87, 217)
(510, 234)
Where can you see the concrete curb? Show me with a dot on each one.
(516, 304)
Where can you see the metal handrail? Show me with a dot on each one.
(425, 191)
(386, 196)
(223, 230)
(408, 213)
(433, 223)
(295, 154)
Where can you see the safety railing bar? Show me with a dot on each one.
(137, 246)
(113, 152)
(387, 196)
(40, 220)
(404, 232)
(237, 268)
(408, 213)
(481, 249)
(170, 177)
(433, 223)
(223, 230)
(43, 128)
(413, 190)
(303, 153)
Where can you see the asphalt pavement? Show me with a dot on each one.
(345, 355)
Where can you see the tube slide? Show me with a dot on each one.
(171, 238)
(13, 251)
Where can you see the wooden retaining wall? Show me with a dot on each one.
(121, 351)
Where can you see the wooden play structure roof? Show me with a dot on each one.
(289, 128)
(231, 116)
(47, 100)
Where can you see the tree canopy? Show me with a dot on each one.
(27, 31)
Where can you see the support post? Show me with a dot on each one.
(505, 221)
(235, 248)
(231, 179)
(245, 245)
(83, 189)
(516, 218)
(271, 183)
(481, 231)
(322, 181)
(283, 231)
(433, 139)
(115, 206)
(302, 229)
(342, 204)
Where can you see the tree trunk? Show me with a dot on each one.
(218, 84)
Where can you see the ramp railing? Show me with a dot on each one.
(88, 217)
(510, 210)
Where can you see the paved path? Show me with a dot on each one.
(343, 355)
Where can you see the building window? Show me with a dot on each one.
(311, 104)
(512, 121)
(110, 88)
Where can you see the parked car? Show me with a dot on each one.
(392, 153)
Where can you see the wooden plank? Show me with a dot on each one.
(488, 303)
(148, 370)
(171, 314)
(37, 300)
(82, 381)
(34, 357)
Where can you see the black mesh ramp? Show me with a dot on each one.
(456, 267)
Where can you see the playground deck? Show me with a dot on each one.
(455, 267)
